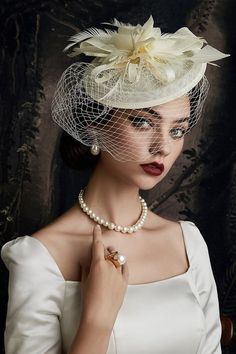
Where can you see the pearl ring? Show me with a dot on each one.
(116, 258)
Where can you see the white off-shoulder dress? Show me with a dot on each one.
(178, 315)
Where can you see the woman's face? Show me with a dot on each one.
(146, 136)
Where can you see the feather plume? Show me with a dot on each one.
(117, 23)
(90, 32)
(131, 48)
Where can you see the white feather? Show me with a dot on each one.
(117, 23)
(91, 32)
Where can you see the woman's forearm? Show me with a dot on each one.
(90, 339)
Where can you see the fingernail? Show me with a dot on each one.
(98, 227)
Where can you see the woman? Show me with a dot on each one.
(110, 276)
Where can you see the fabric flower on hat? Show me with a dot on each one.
(131, 49)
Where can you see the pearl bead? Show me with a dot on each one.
(111, 226)
(121, 259)
(124, 229)
(95, 149)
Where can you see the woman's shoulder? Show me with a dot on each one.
(187, 228)
(193, 245)
(52, 245)
(26, 256)
(183, 235)
(43, 254)
(67, 240)
(15, 250)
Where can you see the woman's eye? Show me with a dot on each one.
(139, 122)
(177, 133)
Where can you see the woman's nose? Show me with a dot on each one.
(160, 145)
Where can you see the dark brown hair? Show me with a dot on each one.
(75, 154)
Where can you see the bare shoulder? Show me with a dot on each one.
(67, 239)
(172, 234)
(163, 224)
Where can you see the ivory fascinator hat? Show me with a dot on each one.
(132, 68)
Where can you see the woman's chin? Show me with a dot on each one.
(149, 182)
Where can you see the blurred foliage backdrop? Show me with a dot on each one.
(36, 186)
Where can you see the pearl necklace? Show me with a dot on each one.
(110, 225)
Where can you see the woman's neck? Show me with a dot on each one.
(112, 199)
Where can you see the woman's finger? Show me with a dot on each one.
(125, 271)
(85, 273)
(98, 246)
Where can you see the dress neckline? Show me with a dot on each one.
(76, 282)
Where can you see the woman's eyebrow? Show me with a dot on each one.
(159, 116)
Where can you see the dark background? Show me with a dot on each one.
(36, 186)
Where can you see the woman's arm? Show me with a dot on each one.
(207, 293)
(103, 290)
(210, 305)
(36, 296)
(90, 339)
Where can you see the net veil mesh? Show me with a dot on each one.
(128, 134)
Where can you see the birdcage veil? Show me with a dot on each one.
(143, 90)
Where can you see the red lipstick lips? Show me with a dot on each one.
(153, 168)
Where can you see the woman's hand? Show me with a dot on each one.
(103, 286)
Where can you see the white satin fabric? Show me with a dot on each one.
(178, 315)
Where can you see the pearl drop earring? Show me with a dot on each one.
(95, 149)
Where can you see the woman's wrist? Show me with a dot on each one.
(91, 338)
(99, 322)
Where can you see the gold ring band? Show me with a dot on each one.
(116, 258)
